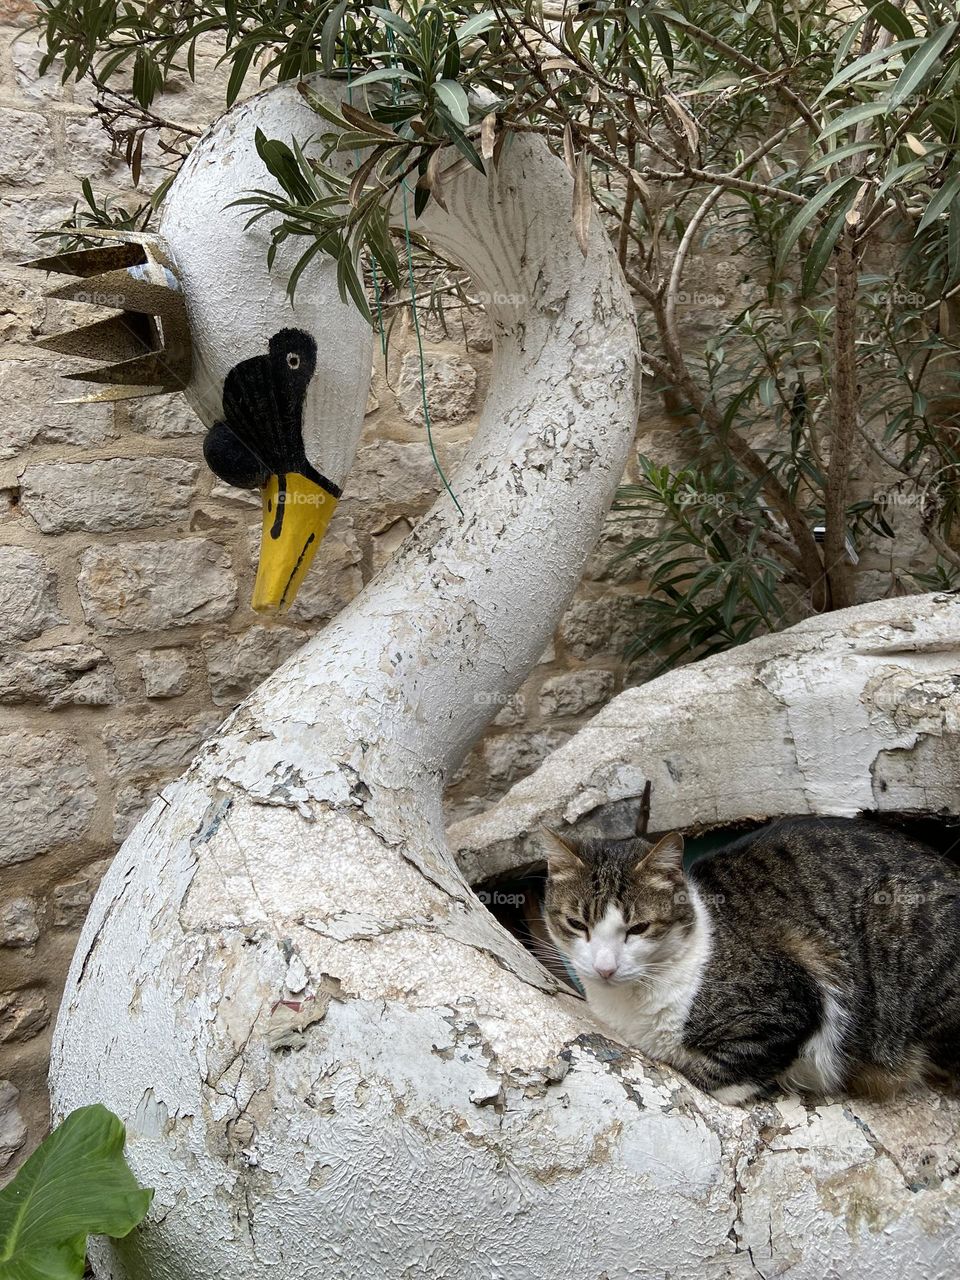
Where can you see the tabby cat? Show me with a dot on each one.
(815, 954)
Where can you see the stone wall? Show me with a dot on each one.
(126, 569)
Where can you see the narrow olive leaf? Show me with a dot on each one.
(846, 44)
(323, 109)
(940, 201)
(889, 16)
(569, 155)
(329, 33)
(361, 120)
(953, 247)
(136, 160)
(433, 179)
(683, 118)
(921, 65)
(855, 115)
(807, 214)
(722, 80)
(640, 183)
(475, 26)
(582, 202)
(379, 74)
(241, 64)
(488, 135)
(822, 249)
(901, 173)
(841, 153)
(864, 63)
(362, 174)
(76, 1183)
(454, 98)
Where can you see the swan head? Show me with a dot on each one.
(280, 384)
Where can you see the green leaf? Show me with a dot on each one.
(953, 247)
(847, 118)
(807, 214)
(454, 99)
(475, 26)
(75, 1183)
(328, 36)
(840, 153)
(381, 73)
(893, 19)
(822, 248)
(865, 61)
(939, 202)
(238, 72)
(921, 64)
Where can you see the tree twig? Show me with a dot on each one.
(845, 406)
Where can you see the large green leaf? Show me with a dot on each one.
(76, 1183)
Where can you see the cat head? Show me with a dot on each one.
(617, 909)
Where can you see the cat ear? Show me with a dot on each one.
(666, 856)
(562, 855)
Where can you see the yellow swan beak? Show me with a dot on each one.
(296, 512)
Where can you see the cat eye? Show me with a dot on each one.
(577, 925)
(293, 360)
(640, 927)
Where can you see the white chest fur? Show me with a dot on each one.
(650, 1013)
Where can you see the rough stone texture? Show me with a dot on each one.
(13, 1131)
(70, 900)
(599, 627)
(115, 494)
(510, 756)
(165, 672)
(22, 1014)
(38, 383)
(237, 664)
(451, 383)
(154, 747)
(18, 924)
(575, 692)
(47, 794)
(66, 675)
(24, 147)
(28, 594)
(152, 586)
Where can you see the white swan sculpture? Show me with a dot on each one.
(330, 1059)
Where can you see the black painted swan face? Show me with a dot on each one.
(258, 444)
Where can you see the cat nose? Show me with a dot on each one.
(605, 968)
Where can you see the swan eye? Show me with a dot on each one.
(636, 929)
(293, 360)
(576, 925)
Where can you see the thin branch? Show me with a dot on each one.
(844, 396)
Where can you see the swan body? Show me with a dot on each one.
(330, 1059)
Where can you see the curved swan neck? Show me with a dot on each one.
(420, 662)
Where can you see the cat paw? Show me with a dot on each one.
(736, 1095)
